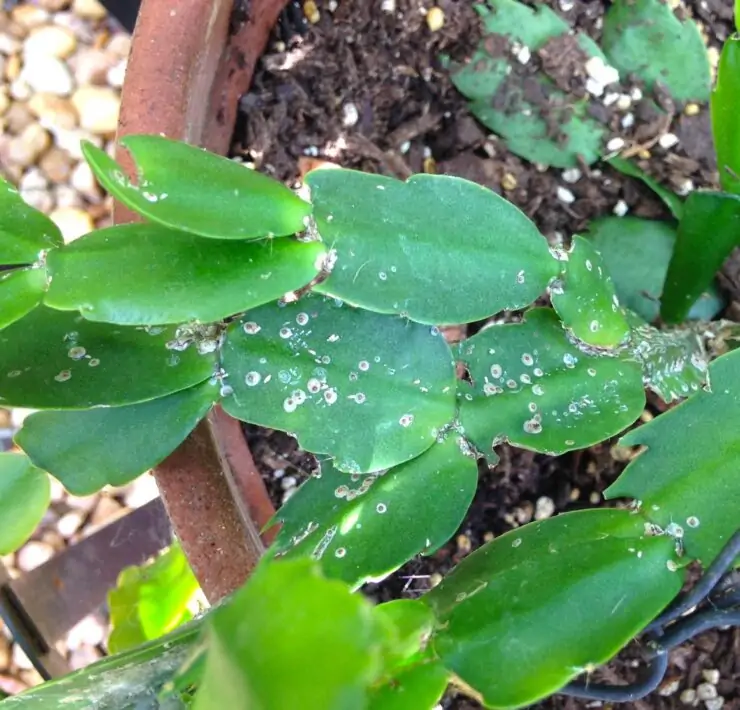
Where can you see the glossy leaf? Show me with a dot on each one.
(725, 119)
(126, 681)
(671, 200)
(636, 253)
(370, 390)
(689, 474)
(417, 687)
(674, 361)
(412, 621)
(584, 298)
(288, 616)
(150, 600)
(533, 388)
(395, 242)
(534, 608)
(21, 290)
(645, 38)
(365, 527)
(186, 188)
(55, 360)
(24, 231)
(89, 449)
(25, 493)
(144, 274)
(708, 232)
(499, 94)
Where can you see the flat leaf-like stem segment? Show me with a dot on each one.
(150, 600)
(396, 241)
(21, 290)
(365, 527)
(24, 497)
(187, 188)
(24, 231)
(520, 106)
(144, 274)
(724, 103)
(289, 616)
(57, 360)
(91, 448)
(417, 687)
(636, 253)
(708, 232)
(687, 480)
(370, 390)
(536, 607)
(533, 388)
(585, 300)
(645, 38)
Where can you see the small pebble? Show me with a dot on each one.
(711, 675)
(624, 102)
(53, 111)
(715, 703)
(141, 491)
(615, 145)
(636, 94)
(311, 11)
(668, 140)
(691, 109)
(29, 16)
(706, 691)
(33, 554)
(89, 9)
(388, 6)
(464, 544)
(50, 40)
(20, 658)
(70, 523)
(288, 482)
(72, 222)
(565, 195)
(571, 175)
(88, 632)
(669, 687)
(544, 508)
(47, 74)
(508, 182)
(621, 208)
(350, 115)
(435, 19)
(688, 696)
(98, 108)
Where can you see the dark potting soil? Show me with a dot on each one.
(364, 88)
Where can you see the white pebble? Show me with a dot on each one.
(388, 6)
(711, 675)
(47, 74)
(685, 187)
(706, 691)
(33, 554)
(610, 98)
(571, 175)
(601, 72)
(615, 145)
(594, 87)
(624, 102)
(668, 140)
(350, 115)
(636, 94)
(715, 703)
(544, 508)
(688, 696)
(565, 195)
(621, 208)
(628, 120)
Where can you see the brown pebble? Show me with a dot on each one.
(55, 164)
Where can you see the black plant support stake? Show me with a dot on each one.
(715, 599)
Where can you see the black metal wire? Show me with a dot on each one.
(716, 600)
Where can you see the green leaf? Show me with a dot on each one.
(24, 231)
(395, 242)
(636, 253)
(533, 388)
(89, 449)
(187, 188)
(725, 122)
(364, 527)
(531, 610)
(584, 298)
(688, 476)
(151, 600)
(55, 360)
(25, 493)
(126, 681)
(144, 274)
(708, 232)
(499, 87)
(370, 390)
(289, 617)
(645, 38)
(418, 687)
(674, 362)
(671, 200)
(21, 290)
(412, 621)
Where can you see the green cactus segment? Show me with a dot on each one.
(89, 449)
(507, 97)
(370, 390)
(186, 188)
(528, 612)
(24, 231)
(691, 489)
(25, 493)
(57, 360)
(21, 290)
(725, 100)
(416, 687)
(533, 388)
(645, 38)
(674, 362)
(365, 527)
(144, 274)
(395, 242)
(585, 300)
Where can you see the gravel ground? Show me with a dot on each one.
(62, 64)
